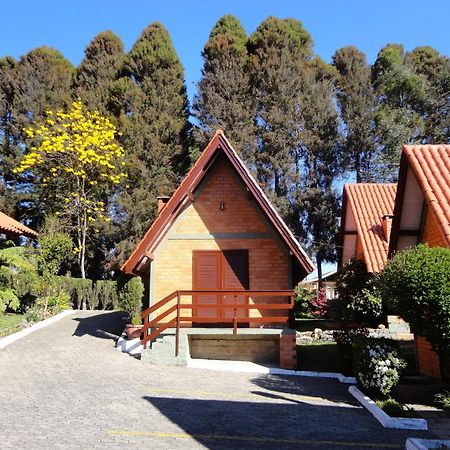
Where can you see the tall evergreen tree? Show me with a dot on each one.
(279, 51)
(434, 69)
(401, 94)
(224, 97)
(154, 121)
(99, 70)
(45, 79)
(9, 134)
(356, 101)
(317, 204)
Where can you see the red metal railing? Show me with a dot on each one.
(221, 318)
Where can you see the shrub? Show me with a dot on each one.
(416, 283)
(443, 400)
(130, 299)
(303, 297)
(357, 299)
(319, 304)
(376, 365)
(107, 294)
(344, 339)
(394, 408)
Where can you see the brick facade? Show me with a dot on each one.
(427, 359)
(432, 233)
(288, 350)
(197, 229)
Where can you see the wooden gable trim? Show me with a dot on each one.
(178, 203)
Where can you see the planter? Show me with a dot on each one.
(133, 331)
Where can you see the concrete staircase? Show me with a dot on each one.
(162, 350)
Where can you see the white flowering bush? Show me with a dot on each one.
(377, 365)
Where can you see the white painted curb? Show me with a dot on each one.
(385, 420)
(37, 326)
(132, 346)
(425, 444)
(250, 367)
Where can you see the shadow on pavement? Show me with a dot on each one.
(108, 325)
(224, 424)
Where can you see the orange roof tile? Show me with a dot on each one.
(9, 225)
(369, 202)
(431, 166)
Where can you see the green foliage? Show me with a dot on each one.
(376, 365)
(356, 100)
(15, 264)
(303, 297)
(394, 408)
(224, 99)
(54, 247)
(345, 339)
(152, 109)
(130, 298)
(357, 300)
(99, 70)
(106, 294)
(442, 400)
(416, 284)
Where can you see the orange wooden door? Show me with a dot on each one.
(207, 274)
(215, 270)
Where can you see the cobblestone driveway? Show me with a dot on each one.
(65, 386)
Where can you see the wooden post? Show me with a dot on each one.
(177, 333)
(145, 331)
(234, 319)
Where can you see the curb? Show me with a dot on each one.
(237, 366)
(385, 420)
(133, 346)
(425, 444)
(37, 326)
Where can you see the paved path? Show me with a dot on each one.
(66, 387)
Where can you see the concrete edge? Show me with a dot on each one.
(401, 423)
(425, 444)
(132, 346)
(249, 367)
(37, 326)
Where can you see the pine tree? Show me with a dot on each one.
(316, 209)
(98, 71)
(224, 97)
(279, 51)
(45, 79)
(9, 134)
(401, 94)
(356, 101)
(152, 106)
(434, 69)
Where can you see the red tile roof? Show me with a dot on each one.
(431, 166)
(8, 225)
(184, 194)
(369, 203)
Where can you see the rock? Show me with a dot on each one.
(317, 333)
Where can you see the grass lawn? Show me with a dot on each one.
(321, 357)
(10, 323)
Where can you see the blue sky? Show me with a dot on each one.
(369, 25)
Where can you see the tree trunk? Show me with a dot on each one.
(319, 272)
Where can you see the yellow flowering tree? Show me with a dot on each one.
(78, 163)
